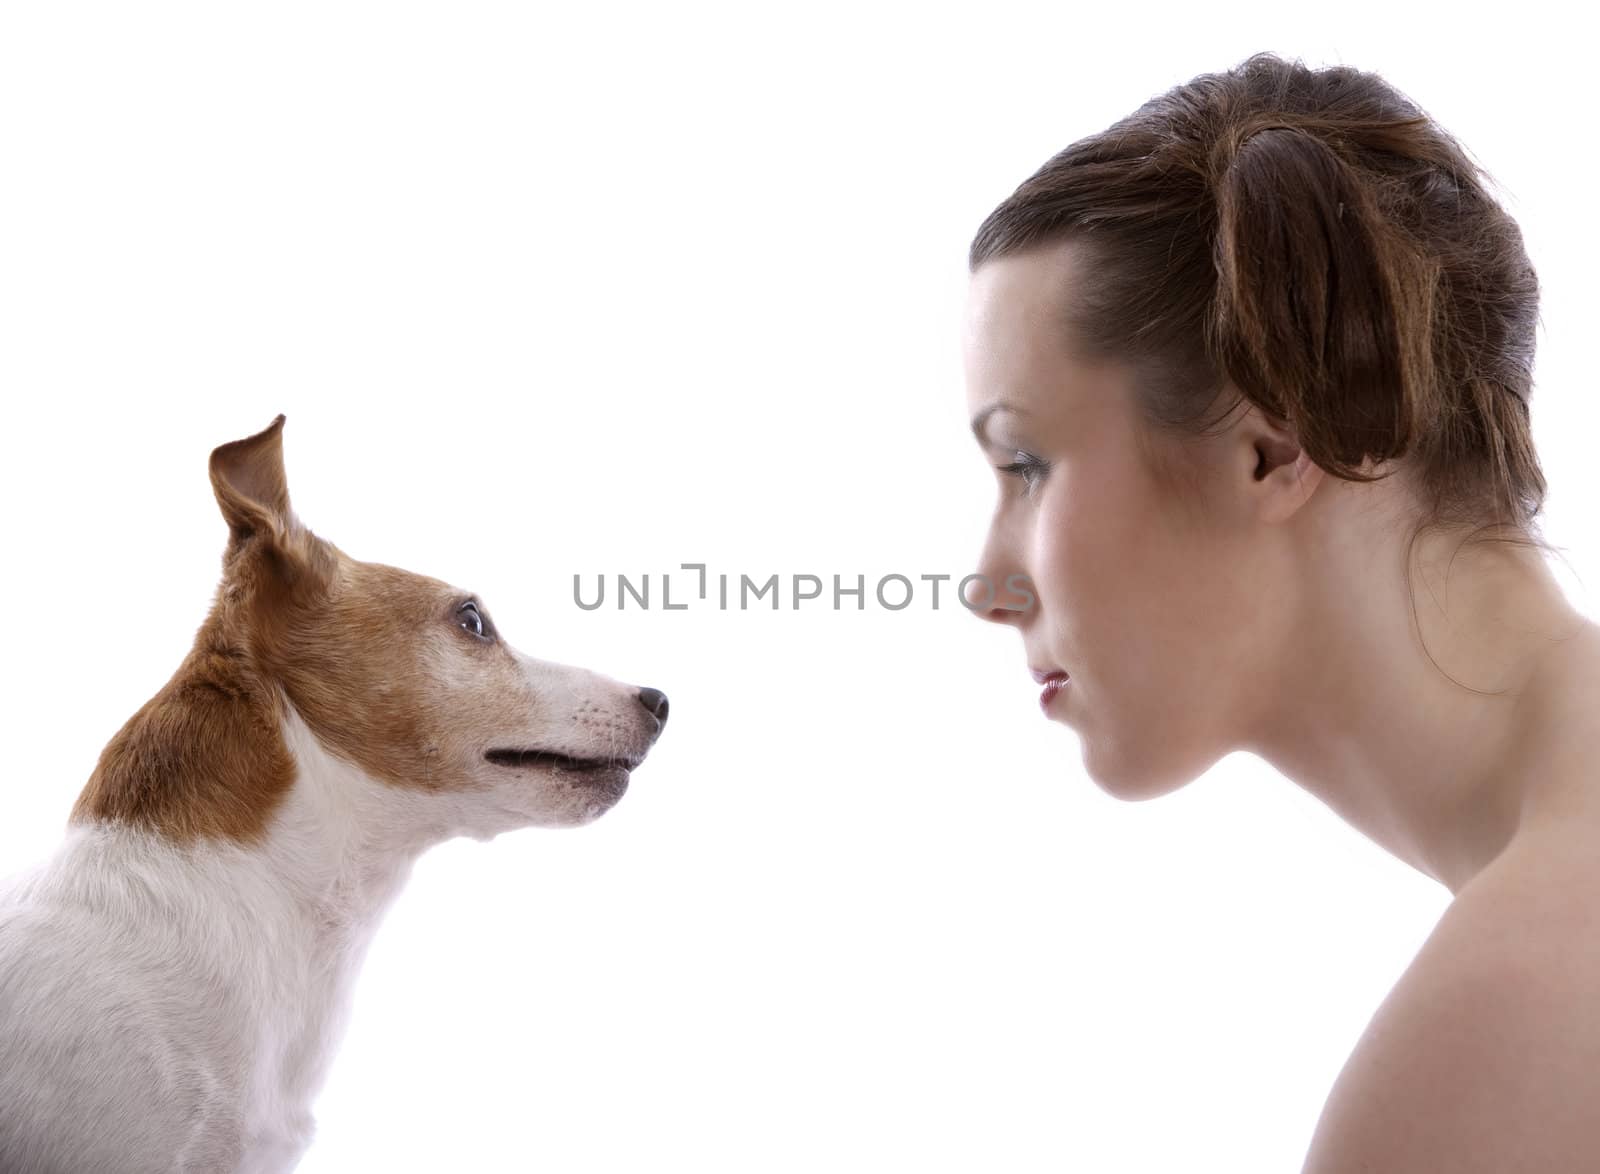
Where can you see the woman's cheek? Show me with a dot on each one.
(1055, 560)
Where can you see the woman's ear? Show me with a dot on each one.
(1285, 476)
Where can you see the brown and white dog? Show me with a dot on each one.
(174, 980)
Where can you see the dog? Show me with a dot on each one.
(175, 978)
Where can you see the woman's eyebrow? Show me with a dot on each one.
(982, 418)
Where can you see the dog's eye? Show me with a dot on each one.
(473, 620)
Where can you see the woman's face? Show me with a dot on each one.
(1151, 604)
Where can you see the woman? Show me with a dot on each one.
(1253, 366)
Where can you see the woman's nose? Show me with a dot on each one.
(1001, 601)
(997, 590)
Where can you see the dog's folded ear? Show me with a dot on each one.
(253, 492)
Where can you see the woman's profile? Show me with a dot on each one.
(1254, 368)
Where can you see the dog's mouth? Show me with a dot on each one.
(566, 762)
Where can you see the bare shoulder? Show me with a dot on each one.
(1486, 1054)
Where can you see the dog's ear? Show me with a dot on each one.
(248, 478)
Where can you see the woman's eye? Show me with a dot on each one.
(470, 618)
(1029, 469)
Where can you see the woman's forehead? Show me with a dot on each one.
(1016, 317)
(1015, 299)
(1024, 373)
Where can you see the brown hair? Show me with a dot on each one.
(1313, 238)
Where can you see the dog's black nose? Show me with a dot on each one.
(656, 702)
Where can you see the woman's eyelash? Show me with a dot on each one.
(1029, 468)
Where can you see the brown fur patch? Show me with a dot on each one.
(202, 758)
(358, 669)
(205, 756)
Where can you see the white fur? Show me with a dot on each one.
(159, 1001)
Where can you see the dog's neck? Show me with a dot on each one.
(337, 852)
(342, 844)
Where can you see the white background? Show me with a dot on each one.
(546, 291)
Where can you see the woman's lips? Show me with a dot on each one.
(1053, 680)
